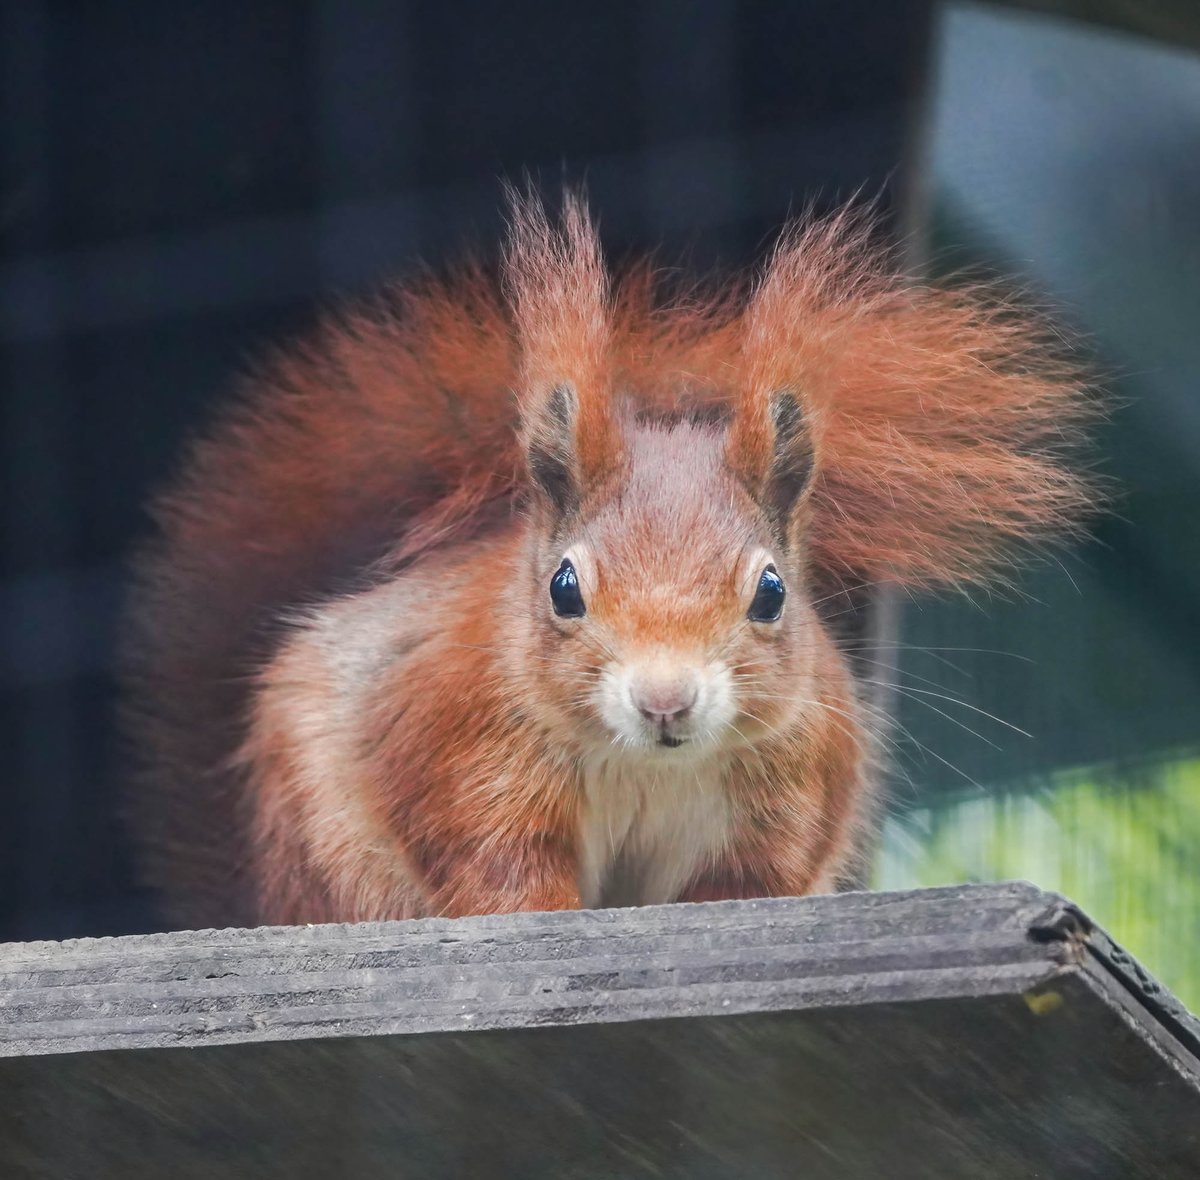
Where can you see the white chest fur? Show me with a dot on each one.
(648, 827)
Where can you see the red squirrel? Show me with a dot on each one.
(499, 595)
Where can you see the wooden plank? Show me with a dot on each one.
(976, 1031)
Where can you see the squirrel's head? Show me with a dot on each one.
(669, 601)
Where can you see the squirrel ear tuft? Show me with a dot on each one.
(557, 288)
(770, 450)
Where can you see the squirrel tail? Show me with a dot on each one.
(388, 432)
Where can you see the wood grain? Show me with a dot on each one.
(982, 1031)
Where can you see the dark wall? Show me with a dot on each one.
(181, 183)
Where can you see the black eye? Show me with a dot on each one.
(564, 592)
(768, 598)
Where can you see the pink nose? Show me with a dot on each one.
(660, 701)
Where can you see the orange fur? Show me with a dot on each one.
(350, 694)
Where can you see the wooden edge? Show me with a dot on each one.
(516, 971)
(1123, 983)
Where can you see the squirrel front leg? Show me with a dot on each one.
(505, 848)
(795, 825)
(485, 875)
(775, 855)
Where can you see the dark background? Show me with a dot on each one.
(183, 183)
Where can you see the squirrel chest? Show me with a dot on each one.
(647, 827)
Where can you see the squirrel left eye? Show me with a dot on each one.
(768, 598)
(564, 592)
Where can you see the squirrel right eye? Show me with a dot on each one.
(768, 598)
(564, 592)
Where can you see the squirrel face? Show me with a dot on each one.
(668, 611)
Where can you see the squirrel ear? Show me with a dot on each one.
(558, 291)
(790, 473)
(550, 447)
(770, 449)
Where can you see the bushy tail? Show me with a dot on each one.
(385, 432)
(950, 418)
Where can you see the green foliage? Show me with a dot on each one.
(1126, 848)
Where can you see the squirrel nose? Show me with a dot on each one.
(660, 701)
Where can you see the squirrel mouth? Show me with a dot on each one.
(672, 743)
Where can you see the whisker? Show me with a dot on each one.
(899, 646)
(974, 709)
(899, 669)
(847, 590)
(953, 720)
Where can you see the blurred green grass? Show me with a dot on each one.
(1123, 846)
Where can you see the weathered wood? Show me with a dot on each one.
(985, 1031)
